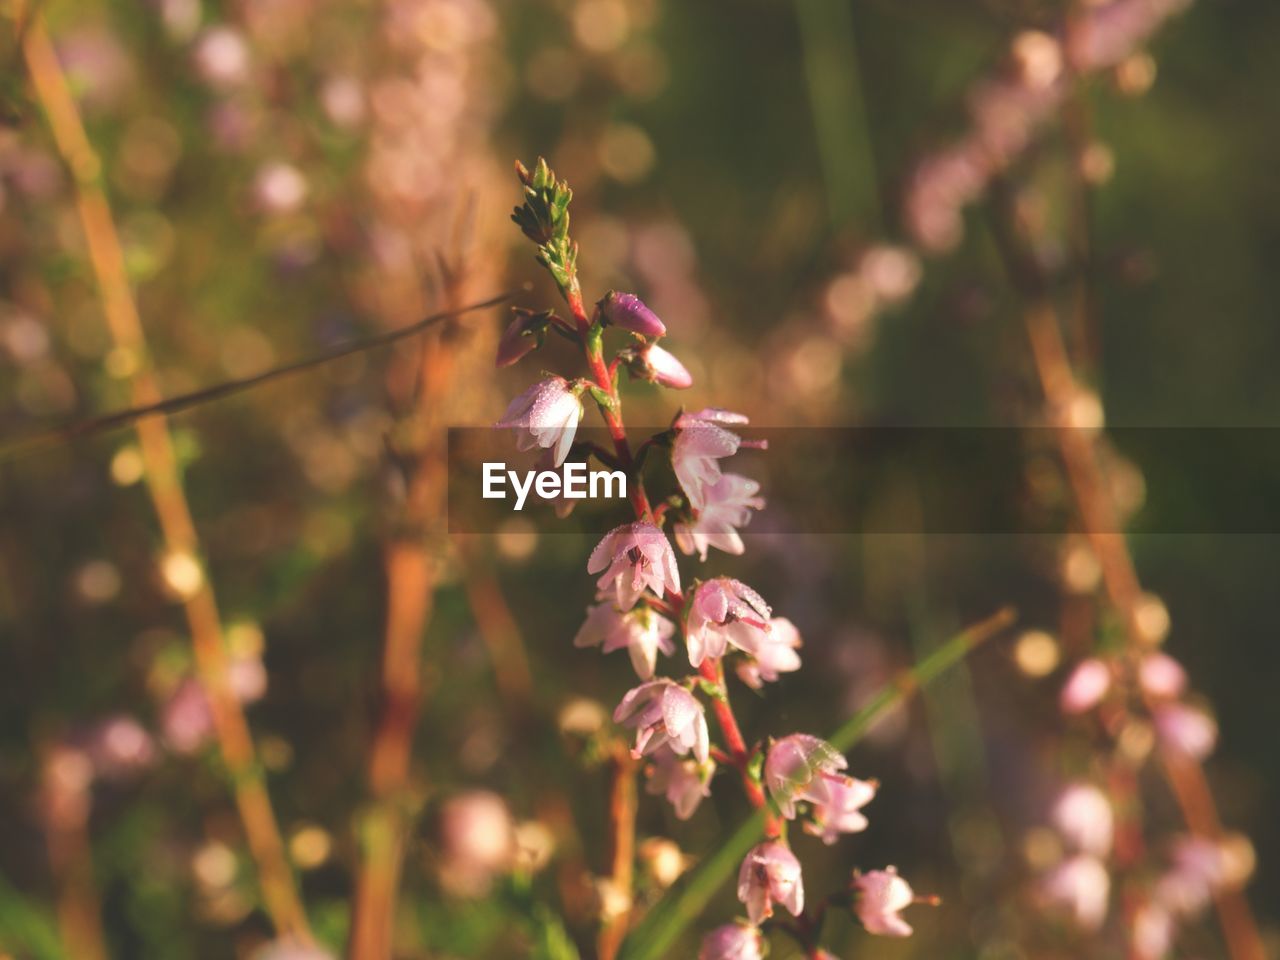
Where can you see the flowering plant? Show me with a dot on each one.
(642, 603)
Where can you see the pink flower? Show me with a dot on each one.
(286, 949)
(1199, 869)
(634, 556)
(1186, 730)
(663, 712)
(725, 611)
(641, 631)
(1083, 816)
(658, 365)
(1162, 676)
(1085, 688)
(797, 768)
(727, 505)
(882, 894)
(733, 941)
(186, 719)
(1082, 887)
(1152, 932)
(477, 841)
(770, 873)
(120, 747)
(628, 311)
(546, 415)
(222, 57)
(774, 653)
(683, 781)
(701, 441)
(841, 810)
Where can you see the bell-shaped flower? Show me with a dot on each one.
(546, 415)
(724, 611)
(733, 941)
(770, 874)
(841, 809)
(797, 768)
(682, 780)
(629, 312)
(642, 632)
(773, 653)
(1082, 814)
(1085, 688)
(727, 505)
(882, 895)
(634, 556)
(663, 712)
(1082, 887)
(1186, 730)
(701, 442)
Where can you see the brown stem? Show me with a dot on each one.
(1099, 519)
(412, 565)
(622, 823)
(164, 483)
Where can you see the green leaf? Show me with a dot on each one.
(654, 936)
(553, 942)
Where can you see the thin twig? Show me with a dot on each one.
(279, 893)
(122, 418)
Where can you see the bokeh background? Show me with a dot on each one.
(289, 174)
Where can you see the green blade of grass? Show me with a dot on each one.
(653, 937)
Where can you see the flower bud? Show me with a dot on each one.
(629, 312)
(660, 366)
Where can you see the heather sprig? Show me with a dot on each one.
(644, 605)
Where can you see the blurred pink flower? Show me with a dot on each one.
(663, 712)
(1085, 688)
(1185, 729)
(683, 781)
(286, 949)
(477, 841)
(120, 747)
(1198, 870)
(222, 57)
(770, 873)
(1162, 676)
(732, 941)
(279, 188)
(882, 894)
(1151, 933)
(1083, 816)
(634, 556)
(1081, 886)
(641, 631)
(545, 415)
